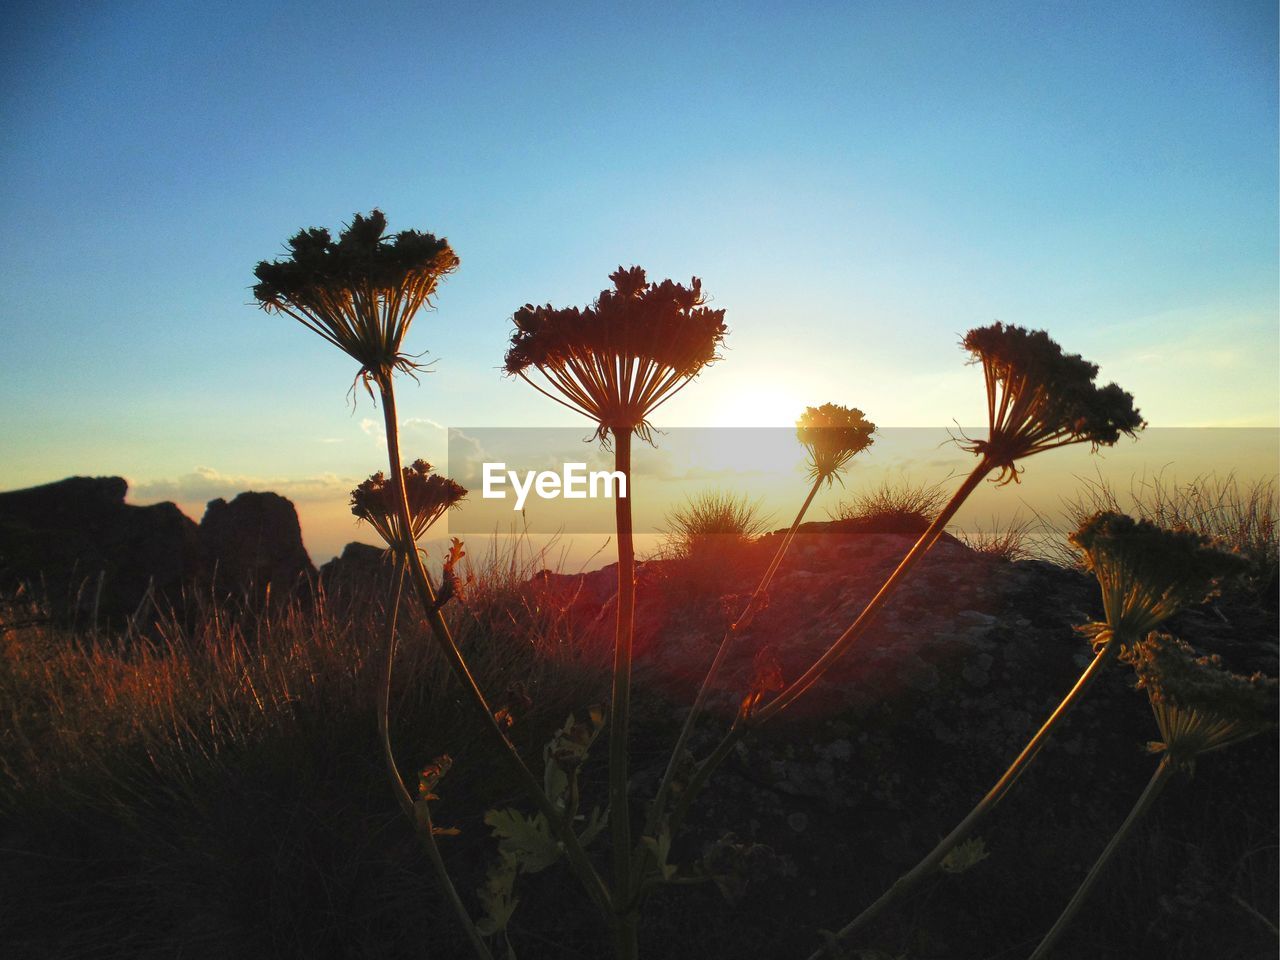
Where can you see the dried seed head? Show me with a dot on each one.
(1148, 573)
(833, 435)
(1199, 705)
(1039, 398)
(429, 496)
(620, 358)
(361, 292)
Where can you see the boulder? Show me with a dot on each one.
(255, 540)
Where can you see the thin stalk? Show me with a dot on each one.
(929, 864)
(626, 937)
(744, 619)
(426, 830)
(873, 607)
(620, 705)
(591, 880)
(836, 650)
(384, 701)
(1157, 783)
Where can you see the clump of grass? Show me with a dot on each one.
(894, 504)
(712, 524)
(1008, 542)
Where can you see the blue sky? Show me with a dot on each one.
(856, 184)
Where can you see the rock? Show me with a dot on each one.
(69, 537)
(81, 548)
(255, 540)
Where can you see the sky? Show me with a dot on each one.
(856, 184)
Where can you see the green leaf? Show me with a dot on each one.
(965, 856)
(497, 895)
(528, 839)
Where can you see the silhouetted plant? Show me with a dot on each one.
(616, 362)
(833, 435)
(361, 293)
(429, 496)
(1146, 575)
(1199, 707)
(1038, 399)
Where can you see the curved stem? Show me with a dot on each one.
(929, 864)
(620, 705)
(659, 807)
(1157, 782)
(591, 880)
(384, 701)
(426, 831)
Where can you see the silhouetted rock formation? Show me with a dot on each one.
(358, 561)
(68, 536)
(255, 540)
(86, 551)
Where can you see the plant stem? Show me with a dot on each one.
(1157, 782)
(626, 943)
(563, 828)
(384, 703)
(926, 867)
(836, 650)
(620, 705)
(659, 807)
(873, 607)
(426, 831)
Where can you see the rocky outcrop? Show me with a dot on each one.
(80, 547)
(255, 540)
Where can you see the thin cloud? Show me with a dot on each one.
(205, 483)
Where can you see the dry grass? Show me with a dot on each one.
(894, 501)
(712, 524)
(1014, 540)
(193, 770)
(1241, 515)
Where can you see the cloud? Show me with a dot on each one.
(205, 483)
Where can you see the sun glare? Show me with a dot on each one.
(772, 406)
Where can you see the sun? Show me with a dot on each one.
(777, 405)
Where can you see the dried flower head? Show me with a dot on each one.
(1199, 705)
(833, 435)
(429, 496)
(360, 293)
(619, 359)
(1148, 573)
(1039, 398)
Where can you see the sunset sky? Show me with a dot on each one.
(856, 184)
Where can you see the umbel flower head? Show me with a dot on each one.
(619, 359)
(429, 496)
(1148, 573)
(361, 292)
(1199, 705)
(833, 435)
(1039, 398)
